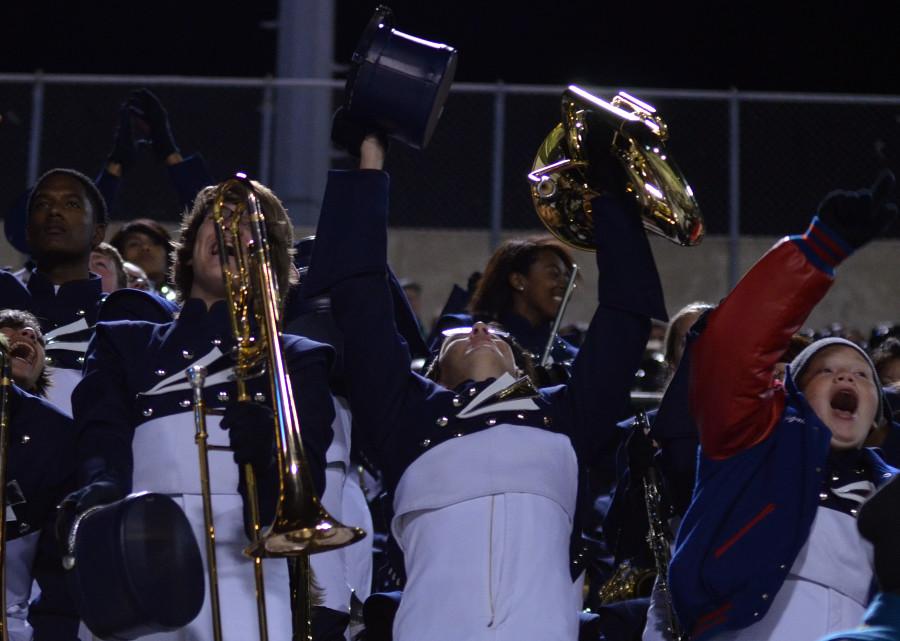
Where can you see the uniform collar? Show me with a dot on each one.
(77, 290)
(494, 395)
(196, 325)
(195, 310)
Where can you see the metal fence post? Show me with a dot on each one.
(497, 165)
(734, 188)
(265, 133)
(37, 125)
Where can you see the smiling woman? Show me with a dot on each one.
(522, 289)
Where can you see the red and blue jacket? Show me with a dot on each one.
(763, 450)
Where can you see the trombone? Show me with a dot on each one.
(301, 525)
(5, 391)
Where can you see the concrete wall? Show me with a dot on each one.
(865, 293)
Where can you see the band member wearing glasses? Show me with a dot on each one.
(483, 467)
(769, 548)
(133, 411)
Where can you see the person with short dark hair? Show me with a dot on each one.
(133, 409)
(147, 244)
(67, 220)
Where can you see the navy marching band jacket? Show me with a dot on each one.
(128, 358)
(40, 464)
(411, 415)
(40, 473)
(68, 314)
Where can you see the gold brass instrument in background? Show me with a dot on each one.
(560, 187)
(301, 525)
(629, 581)
(5, 391)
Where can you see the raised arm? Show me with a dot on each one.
(142, 119)
(350, 264)
(629, 294)
(732, 395)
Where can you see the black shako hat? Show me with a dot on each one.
(135, 567)
(399, 82)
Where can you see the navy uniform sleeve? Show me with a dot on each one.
(353, 267)
(53, 615)
(108, 185)
(188, 177)
(309, 370)
(629, 295)
(101, 406)
(134, 304)
(13, 294)
(45, 467)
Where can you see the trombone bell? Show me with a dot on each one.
(290, 539)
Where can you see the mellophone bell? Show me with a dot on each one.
(595, 141)
(166, 390)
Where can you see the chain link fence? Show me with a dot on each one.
(759, 163)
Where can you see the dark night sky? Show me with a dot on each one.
(714, 45)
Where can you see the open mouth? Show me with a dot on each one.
(844, 403)
(23, 352)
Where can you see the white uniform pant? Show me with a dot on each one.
(493, 568)
(19, 559)
(349, 569)
(826, 589)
